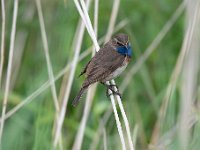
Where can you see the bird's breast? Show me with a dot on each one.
(118, 71)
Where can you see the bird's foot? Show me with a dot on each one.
(108, 93)
(111, 87)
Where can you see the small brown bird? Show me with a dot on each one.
(108, 63)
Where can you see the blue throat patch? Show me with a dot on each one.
(125, 50)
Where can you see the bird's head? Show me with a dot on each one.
(122, 44)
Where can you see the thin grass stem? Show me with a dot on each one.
(152, 47)
(2, 38)
(9, 68)
(68, 88)
(190, 73)
(46, 51)
(90, 94)
(48, 60)
(104, 139)
(59, 123)
(79, 136)
(174, 77)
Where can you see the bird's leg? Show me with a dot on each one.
(110, 87)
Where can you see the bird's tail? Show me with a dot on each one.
(78, 96)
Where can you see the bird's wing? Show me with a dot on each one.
(84, 70)
(105, 62)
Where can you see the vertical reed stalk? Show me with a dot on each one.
(9, 68)
(2, 38)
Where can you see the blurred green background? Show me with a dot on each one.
(31, 127)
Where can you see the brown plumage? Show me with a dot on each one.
(101, 67)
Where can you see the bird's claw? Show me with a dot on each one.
(110, 87)
(113, 85)
(113, 92)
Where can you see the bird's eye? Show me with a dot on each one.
(120, 44)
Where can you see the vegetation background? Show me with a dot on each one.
(161, 99)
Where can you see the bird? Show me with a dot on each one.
(108, 63)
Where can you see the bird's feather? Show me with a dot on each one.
(84, 70)
(104, 63)
(78, 96)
